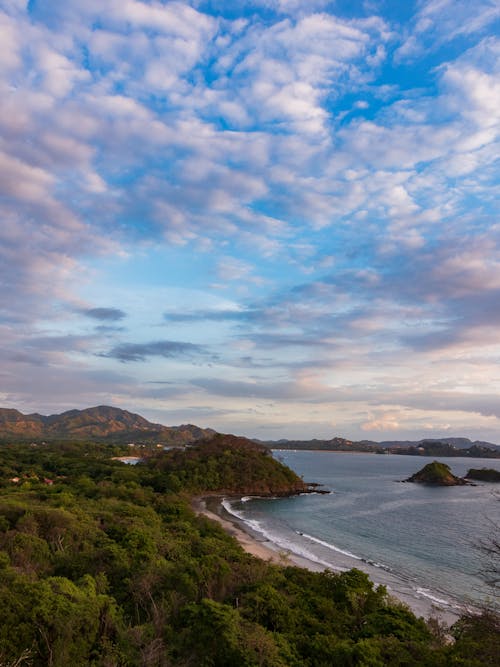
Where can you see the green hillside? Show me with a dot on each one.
(102, 422)
(105, 564)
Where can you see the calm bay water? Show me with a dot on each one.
(419, 541)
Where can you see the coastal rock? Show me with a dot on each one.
(484, 474)
(436, 474)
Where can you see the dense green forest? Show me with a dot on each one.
(106, 564)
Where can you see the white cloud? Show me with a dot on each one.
(236, 271)
(10, 57)
(176, 18)
(60, 74)
(291, 66)
(262, 151)
(440, 21)
(455, 17)
(23, 181)
(475, 93)
(384, 422)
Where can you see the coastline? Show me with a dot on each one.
(252, 542)
(259, 546)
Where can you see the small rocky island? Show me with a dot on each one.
(436, 474)
(484, 474)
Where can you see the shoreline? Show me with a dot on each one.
(253, 543)
(259, 546)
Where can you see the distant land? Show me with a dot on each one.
(426, 447)
(98, 423)
(110, 424)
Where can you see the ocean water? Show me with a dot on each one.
(419, 541)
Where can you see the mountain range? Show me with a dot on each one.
(116, 425)
(458, 443)
(369, 445)
(448, 446)
(101, 422)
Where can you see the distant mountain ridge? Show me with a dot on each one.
(434, 446)
(459, 443)
(112, 424)
(102, 422)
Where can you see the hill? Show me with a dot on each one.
(335, 444)
(436, 474)
(119, 426)
(229, 464)
(456, 443)
(101, 422)
(424, 447)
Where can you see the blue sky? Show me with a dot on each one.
(275, 218)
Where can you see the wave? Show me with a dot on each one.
(332, 547)
(277, 540)
(425, 592)
(392, 580)
(374, 563)
(344, 552)
(293, 546)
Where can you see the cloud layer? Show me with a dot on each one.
(286, 211)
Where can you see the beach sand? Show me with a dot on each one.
(260, 547)
(251, 542)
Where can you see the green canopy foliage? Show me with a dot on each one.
(105, 564)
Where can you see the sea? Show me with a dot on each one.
(423, 543)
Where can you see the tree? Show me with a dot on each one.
(490, 549)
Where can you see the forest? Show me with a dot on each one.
(106, 564)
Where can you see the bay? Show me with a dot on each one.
(421, 542)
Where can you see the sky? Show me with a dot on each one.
(275, 218)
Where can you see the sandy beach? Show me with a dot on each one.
(258, 546)
(251, 542)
